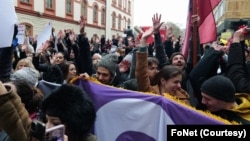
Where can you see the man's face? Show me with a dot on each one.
(103, 75)
(152, 70)
(212, 103)
(179, 61)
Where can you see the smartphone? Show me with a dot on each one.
(38, 130)
(55, 133)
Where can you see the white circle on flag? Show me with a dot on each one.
(131, 115)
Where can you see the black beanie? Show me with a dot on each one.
(219, 87)
(73, 106)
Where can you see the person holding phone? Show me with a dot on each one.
(69, 105)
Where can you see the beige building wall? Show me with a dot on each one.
(36, 16)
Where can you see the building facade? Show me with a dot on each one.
(230, 14)
(104, 17)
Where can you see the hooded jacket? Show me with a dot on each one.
(240, 113)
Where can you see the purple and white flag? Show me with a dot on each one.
(124, 115)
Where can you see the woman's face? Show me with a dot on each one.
(21, 65)
(171, 85)
(52, 121)
(59, 58)
(72, 71)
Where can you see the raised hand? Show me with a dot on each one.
(82, 22)
(239, 35)
(72, 37)
(157, 23)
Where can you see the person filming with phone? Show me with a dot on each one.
(68, 105)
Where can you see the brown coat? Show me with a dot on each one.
(144, 81)
(14, 117)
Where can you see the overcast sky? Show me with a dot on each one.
(172, 11)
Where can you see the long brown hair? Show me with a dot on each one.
(167, 72)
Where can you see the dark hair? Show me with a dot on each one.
(74, 108)
(65, 67)
(174, 54)
(167, 72)
(152, 60)
(25, 91)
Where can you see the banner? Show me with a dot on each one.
(135, 116)
(44, 35)
(8, 19)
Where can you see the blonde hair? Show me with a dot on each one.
(26, 61)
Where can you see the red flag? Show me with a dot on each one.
(188, 31)
(163, 33)
(207, 27)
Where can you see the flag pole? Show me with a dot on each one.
(195, 33)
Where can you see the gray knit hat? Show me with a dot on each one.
(219, 87)
(109, 62)
(28, 74)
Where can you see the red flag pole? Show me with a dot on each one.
(195, 33)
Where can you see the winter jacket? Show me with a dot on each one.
(240, 113)
(14, 117)
(144, 84)
(204, 69)
(237, 70)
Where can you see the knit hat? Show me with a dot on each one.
(128, 58)
(28, 74)
(219, 87)
(109, 62)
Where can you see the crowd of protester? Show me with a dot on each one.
(126, 62)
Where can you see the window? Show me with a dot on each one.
(120, 3)
(125, 4)
(128, 22)
(114, 1)
(103, 16)
(113, 20)
(129, 7)
(95, 13)
(26, 1)
(84, 8)
(28, 29)
(125, 22)
(49, 4)
(69, 7)
(119, 22)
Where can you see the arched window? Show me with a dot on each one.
(103, 19)
(125, 22)
(84, 8)
(113, 20)
(95, 13)
(129, 22)
(119, 22)
(28, 29)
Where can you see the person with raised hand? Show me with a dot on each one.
(167, 80)
(237, 70)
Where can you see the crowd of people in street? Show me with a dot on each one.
(124, 62)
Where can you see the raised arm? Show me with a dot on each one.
(236, 67)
